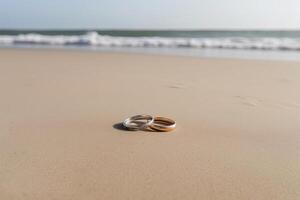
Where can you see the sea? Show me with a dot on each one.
(259, 44)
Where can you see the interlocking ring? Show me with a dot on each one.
(163, 124)
(147, 122)
(138, 122)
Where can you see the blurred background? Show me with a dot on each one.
(207, 28)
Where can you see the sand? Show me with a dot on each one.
(238, 134)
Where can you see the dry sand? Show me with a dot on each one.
(238, 134)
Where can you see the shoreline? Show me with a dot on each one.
(237, 135)
(259, 55)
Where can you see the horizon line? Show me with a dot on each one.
(142, 29)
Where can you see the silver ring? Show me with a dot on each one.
(138, 122)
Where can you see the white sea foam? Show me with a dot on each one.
(94, 39)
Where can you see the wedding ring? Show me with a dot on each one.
(138, 122)
(163, 124)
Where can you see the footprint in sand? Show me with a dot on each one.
(249, 101)
(288, 105)
(252, 101)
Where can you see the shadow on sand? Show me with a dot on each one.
(120, 127)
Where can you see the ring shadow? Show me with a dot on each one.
(120, 127)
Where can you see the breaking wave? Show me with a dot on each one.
(95, 39)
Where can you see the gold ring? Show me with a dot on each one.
(163, 124)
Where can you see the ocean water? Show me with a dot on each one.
(240, 44)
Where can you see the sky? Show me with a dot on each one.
(150, 14)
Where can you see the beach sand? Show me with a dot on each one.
(238, 134)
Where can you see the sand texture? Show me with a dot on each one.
(238, 134)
